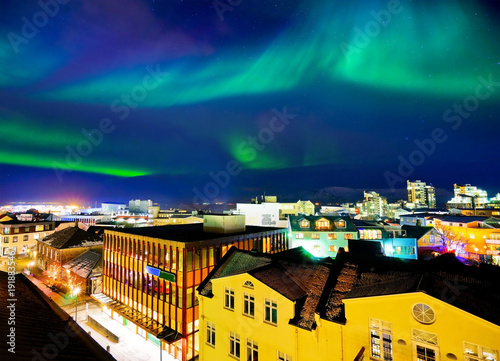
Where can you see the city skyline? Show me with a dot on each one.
(190, 101)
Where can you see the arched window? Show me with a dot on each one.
(248, 284)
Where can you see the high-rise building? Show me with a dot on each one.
(373, 206)
(421, 194)
(467, 196)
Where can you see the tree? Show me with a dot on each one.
(453, 241)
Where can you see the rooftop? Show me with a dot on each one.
(84, 264)
(71, 237)
(187, 232)
(319, 286)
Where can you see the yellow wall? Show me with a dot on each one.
(479, 234)
(452, 325)
(312, 345)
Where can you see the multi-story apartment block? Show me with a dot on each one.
(22, 237)
(374, 206)
(421, 194)
(468, 197)
(150, 274)
(288, 306)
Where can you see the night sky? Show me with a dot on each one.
(222, 100)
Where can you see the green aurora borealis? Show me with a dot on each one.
(223, 80)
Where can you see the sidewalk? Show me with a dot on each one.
(131, 346)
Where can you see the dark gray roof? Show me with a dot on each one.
(187, 232)
(71, 237)
(417, 232)
(299, 277)
(295, 220)
(36, 319)
(84, 264)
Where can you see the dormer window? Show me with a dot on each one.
(341, 224)
(304, 223)
(322, 224)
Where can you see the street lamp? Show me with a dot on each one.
(31, 264)
(76, 291)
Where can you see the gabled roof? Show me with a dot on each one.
(472, 289)
(319, 287)
(84, 264)
(71, 237)
(295, 223)
(417, 231)
(299, 277)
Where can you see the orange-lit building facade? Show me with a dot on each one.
(150, 275)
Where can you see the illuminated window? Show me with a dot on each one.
(229, 298)
(14, 239)
(474, 352)
(16, 230)
(381, 339)
(248, 304)
(252, 350)
(425, 353)
(315, 236)
(304, 224)
(348, 236)
(39, 228)
(332, 236)
(210, 334)
(332, 248)
(271, 311)
(341, 224)
(6, 230)
(234, 344)
(322, 224)
(299, 235)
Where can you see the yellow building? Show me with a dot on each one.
(475, 238)
(290, 307)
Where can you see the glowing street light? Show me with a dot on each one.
(76, 291)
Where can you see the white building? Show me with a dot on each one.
(263, 214)
(139, 206)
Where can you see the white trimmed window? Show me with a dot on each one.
(252, 350)
(284, 357)
(299, 235)
(248, 304)
(271, 311)
(234, 344)
(381, 339)
(473, 352)
(304, 224)
(210, 334)
(229, 298)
